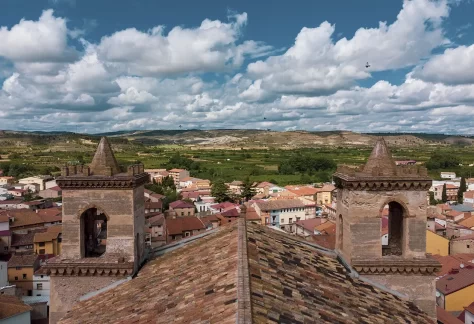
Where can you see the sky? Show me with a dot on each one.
(365, 66)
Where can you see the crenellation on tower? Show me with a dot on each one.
(103, 228)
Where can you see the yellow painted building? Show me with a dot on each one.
(459, 299)
(48, 242)
(436, 244)
(20, 272)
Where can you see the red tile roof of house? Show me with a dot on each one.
(469, 194)
(24, 217)
(327, 227)
(446, 317)
(280, 204)
(327, 241)
(4, 218)
(251, 214)
(179, 225)
(453, 282)
(22, 260)
(154, 204)
(265, 184)
(223, 205)
(207, 220)
(310, 224)
(470, 308)
(55, 188)
(233, 212)
(302, 191)
(467, 222)
(11, 306)
(448, 262)
(181, 204)
(5, 233)
(50, 234)
(50, 215)
(176, 170)
(157, 220)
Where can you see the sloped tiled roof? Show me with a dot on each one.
(181, 204)
(11, 306)
(179, 225)
(310, 224)
(463, 238)
(280, 204)
(302, 191)
(24, 217)
(193, 284)
(289, 281)
(51, 233)
(448, 262)
(233, 212)
(446, 317)
(25, 260)
(251, 214)
(467, 222)
(25, 239)
(453, 282)
(50, 215)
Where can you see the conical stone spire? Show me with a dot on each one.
(380, 162)
(104, 162)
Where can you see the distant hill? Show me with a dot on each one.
(233, 138)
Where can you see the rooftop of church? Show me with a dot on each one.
(246, 273)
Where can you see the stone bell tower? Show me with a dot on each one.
(362, 194)
(102, 229)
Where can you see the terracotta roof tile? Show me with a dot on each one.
(470, 308)
(452, 282)
(22, 260)
(310, 224)
(251, 214)
(179, 225)
(197, 284)
(446, 317)
(293, 282)
(156, 220)
(233, 212)
(448, 262)
(50, 215)
(11, 306)
(290, 282)
(327, 227)
(181, 204)
(25, 239)
(280, 204)
(24, 217)
(468, 222)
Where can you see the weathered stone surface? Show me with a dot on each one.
(419, 289)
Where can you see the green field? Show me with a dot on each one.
(258, 165)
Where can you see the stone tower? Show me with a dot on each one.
(362, 195)
(102, 234)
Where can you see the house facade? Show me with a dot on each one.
(21, 269)
(178, 174)
(282, 213)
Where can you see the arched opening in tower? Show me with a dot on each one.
(94, 232)
(395, 230)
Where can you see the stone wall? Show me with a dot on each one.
(361, 213)
(464, 246)
(118, 206)
(66, 291)
(421, 290)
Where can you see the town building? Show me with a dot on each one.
(448, 175)
(463, 244)
(454, 291)
(282, 213)
(324, 196)
(182, 227)
(307, 227)
(178, 175)
(451, 192)
(436, 244)
(48, 242)
(21, 268)
(103, 239)
(181, 208)
(405, 162)
(14, 311)
(362, 194)
(40, 180)
(53, 192)
(6, 181)
(307, 192)
(41, 283)
(468, 197)
(235, 187)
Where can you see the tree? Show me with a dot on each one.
(433, 201)
(219, 191)
(442, 161)
(247, 191)
(444, 196)
(461, 190)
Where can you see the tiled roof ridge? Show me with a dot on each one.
(244, 301)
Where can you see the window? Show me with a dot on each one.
(189, 213)
(16, 278)
(24, 276)
(290, 220)
(468, 246)
(42, 251)
(39, 286)
(182, 213)
(282, 220)
(94, 233)
(395, 229)
(41, 276)
(186, 234)
(41, 244)
(18, 268)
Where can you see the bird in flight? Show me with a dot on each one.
(367, 65)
